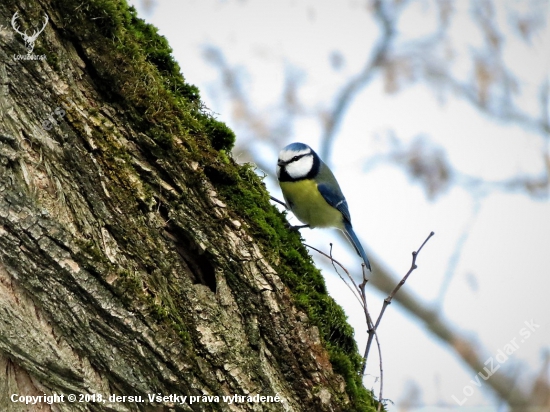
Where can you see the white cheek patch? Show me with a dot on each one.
(300, 168)
(286, 155)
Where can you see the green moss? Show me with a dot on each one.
(221, 136)
(345, 365)
(129, 286)
(135, 67)
(224, 158)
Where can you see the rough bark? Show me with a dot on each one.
(132, 261)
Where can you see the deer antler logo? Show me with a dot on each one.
(29, 40)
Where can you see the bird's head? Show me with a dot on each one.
(297, 161)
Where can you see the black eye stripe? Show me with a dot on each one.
(295, 158)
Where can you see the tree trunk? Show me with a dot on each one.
(136, 258)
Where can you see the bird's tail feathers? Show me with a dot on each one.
(352, 237)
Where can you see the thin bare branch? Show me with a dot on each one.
(335, 262)
(381, 392)
(388, 300)
(362, 301)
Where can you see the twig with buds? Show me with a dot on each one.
(359, 292)
(388, 300)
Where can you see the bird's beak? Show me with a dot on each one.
(280, 163)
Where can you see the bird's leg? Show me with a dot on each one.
(278, 201)
(286, 207)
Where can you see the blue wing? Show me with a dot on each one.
(336, 199)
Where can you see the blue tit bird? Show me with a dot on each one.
(312, 192)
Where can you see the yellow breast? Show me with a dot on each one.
(309, 206)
